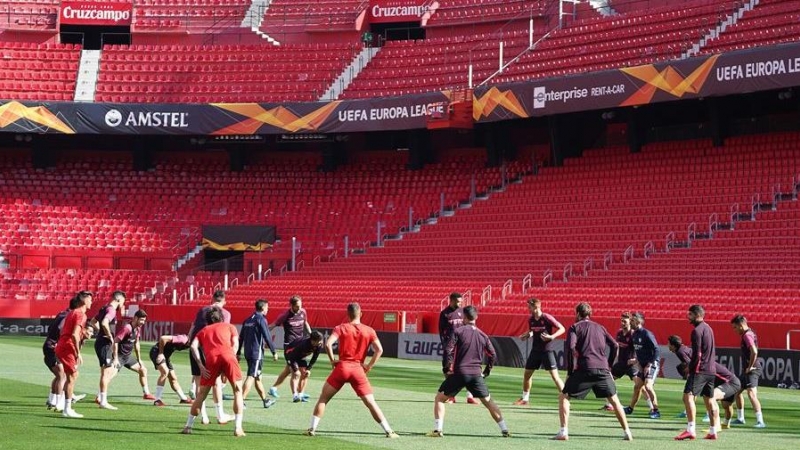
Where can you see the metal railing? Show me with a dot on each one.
(567, 273)
(608, 259)
(486, 295)
(508, 289)
(527, 283)
(649, 249)
(547, 277)
(628, 254)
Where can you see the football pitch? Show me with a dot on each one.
(404, 390)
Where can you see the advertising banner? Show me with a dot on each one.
(707, 76)
(220, 119)
(777, 366)
(96, 13)
(388, 11)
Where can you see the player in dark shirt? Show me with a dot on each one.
(450, 319)
(295, 325)
(217, 302)
(751, 372)
(129, 352)
(701, 375)
(621, 368)
(464, 353)
(253, 338)
(160, 355)
(588, 369)
(647, 358)
(104, 344)
(297, 358)
(543, 329)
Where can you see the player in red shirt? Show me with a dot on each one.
(68, 348)
(219, 341)
(355, 340)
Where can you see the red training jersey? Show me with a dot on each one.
(75, 317)
(217, 339)
(354, 341)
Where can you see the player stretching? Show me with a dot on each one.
(588, 368)
(68, 348)
(105, 349)
(295, 325)
(750, 372)
(621, 368)
(218, 303)
(701, 375)
(127, 343)
(355, 340)
(450, 319)
(219, 341)
(647, 358)
(255, 337)
(56, 398)
(543, 329)
(464, 356)
(297, 359)
(160, 355)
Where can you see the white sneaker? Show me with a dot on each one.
(225, 418)
(760, 425)
(108, 406)
(71, 414)
(78, 398)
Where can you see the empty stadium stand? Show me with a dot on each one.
(770, 22)
(222, 73)
(97, 204)
(608, 209)
(38, 72)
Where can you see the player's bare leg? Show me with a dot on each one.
(563, 417)
(325, 396)
(142, 372)
(56, 398)
(439, 410)
(301, 388)
(650, 393)
(69, 392)
(196, 409)
(556, 379)
(527, 381)
(496, 414)
(106, 375)
(377, 415)
(713, 415)
(222, 418)
(273, 391)
(621, 418)
(638, 387)
(196, 390)
(238, 407)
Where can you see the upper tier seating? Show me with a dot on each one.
(222, 73)
(770, 22)
(38, 72)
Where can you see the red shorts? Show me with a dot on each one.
(352, 373)
(66, 355)
(221, 365)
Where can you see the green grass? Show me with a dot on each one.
(404, 390)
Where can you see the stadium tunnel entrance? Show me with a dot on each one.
(94, 37)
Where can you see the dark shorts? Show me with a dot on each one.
(621, 369)
(598, 381)
(541, 359)
(296, 364)
(50, 359)
(650, 374)
(195, 368)
(700, 384)
(127, 361)
(254, 367)
(104, 352)
(750, 380)
(681, 368)
(475, 384)
(730, 389)
(154, 356)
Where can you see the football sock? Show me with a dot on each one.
(740, 414)
(203, 412)
(220, 410)
(238, 418)
(563, 431)
(759, 417)
(526, 395)
(502, 425)
(103, 397)
(690, 427)
(181, 395)
(314, 422)
(146, 390)
(159, 392)
(60, 401)
(649, 403)
(190, 421)
(469, 395)
(385, 426)
(51, 399)
(438, 424)
(68, 404)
